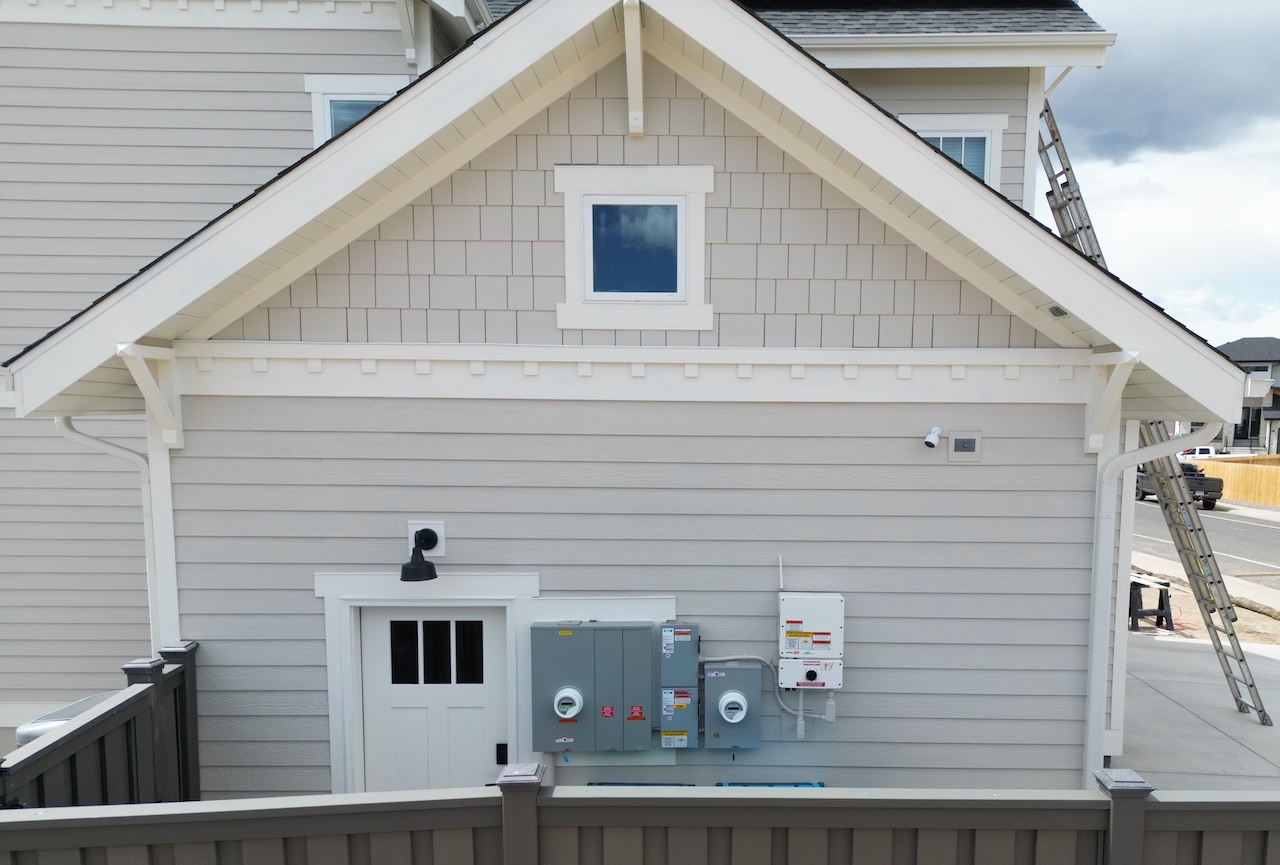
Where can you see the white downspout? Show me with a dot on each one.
(1102, 618)
(68, 431)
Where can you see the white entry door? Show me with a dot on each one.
(435, 696)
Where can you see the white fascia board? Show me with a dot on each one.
(311, 188)
(914, 168)
(636, 373)
(957, 51)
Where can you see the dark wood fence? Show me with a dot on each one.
(138, 746)
(1123, 823)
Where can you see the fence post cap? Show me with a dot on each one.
(143, 665)
(1124, 783)
(521, 776)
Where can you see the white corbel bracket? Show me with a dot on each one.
(161, 396)
(1104, 410)
(635, 71)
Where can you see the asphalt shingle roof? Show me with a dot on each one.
(1253, 349)
(890, 17)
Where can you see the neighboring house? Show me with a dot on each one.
(1259, 425)
(409, 326)
(127, 127)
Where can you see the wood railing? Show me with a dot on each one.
(139, 745)
(1122, 823)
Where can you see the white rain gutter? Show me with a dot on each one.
(1101, 617)
(68, 431)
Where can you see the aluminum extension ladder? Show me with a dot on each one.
(1189, 538)
(1065, 200)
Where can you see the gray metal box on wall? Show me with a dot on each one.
(678, 711)
(592, 686)
(732, 705)
(678, 690)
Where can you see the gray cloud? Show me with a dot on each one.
(1183, 75)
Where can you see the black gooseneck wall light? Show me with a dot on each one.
(417, 568)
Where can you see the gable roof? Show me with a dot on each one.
(883, 17)
(515, 69)
(897, 17)
(1253, 349)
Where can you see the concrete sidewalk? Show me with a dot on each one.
(1182, 729)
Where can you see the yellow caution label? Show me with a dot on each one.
(565, 633)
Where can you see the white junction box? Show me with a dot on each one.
(811, 640)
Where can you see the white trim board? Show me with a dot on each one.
(638, 373)
(957, 51)
(345, 594)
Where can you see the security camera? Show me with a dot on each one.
(931, 440)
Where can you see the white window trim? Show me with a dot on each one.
(661, 183)
(325, 88)
(992, 126)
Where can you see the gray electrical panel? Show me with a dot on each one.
(732, 704)
(678, 684)
(592, 686)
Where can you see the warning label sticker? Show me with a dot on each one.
(636, 714)
(684, 635)
(799, 641)
(675, 738)
(675, 698)
(606, 711)
(564, 740)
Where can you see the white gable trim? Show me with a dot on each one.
(342, 191)
(505, 75)
(906, 174)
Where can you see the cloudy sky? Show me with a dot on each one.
(1176, 144)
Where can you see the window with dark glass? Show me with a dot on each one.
(969, 150)
(345, 113)
(437, 652)
(634, 248)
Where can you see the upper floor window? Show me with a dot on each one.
(634, 246)
(338, 102)
(973, 140)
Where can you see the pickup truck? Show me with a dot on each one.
(1207, 491)
(1203, 452)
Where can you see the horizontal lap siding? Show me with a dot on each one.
(966, 584)
(120, 141)
(73, 584)
(116, 143)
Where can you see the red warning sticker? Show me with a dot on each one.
(606, 711)
(637, 713)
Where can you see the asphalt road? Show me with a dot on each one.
(1244, 546)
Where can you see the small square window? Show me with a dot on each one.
(634, 255)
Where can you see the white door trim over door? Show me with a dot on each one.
(345, 594)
